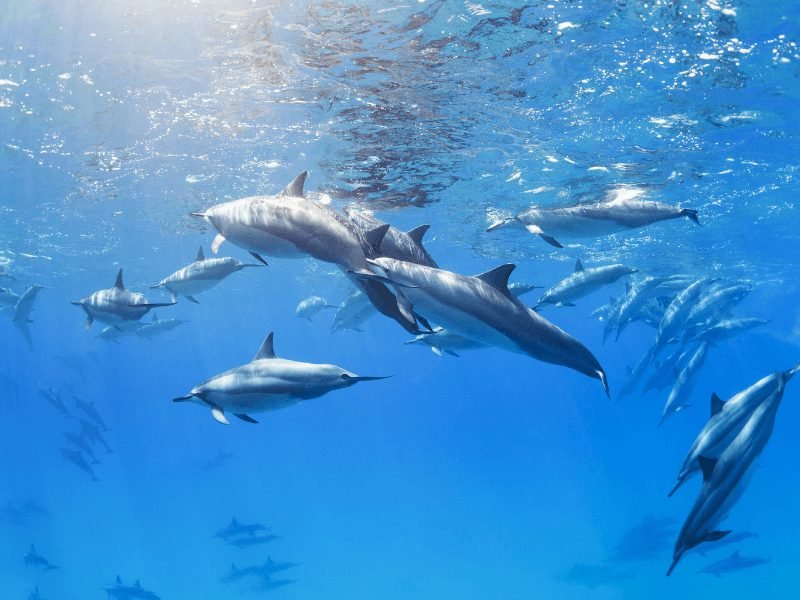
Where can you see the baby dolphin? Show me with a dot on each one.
(32, 559)
(311, 306)
(735, 562)
(203, 274)
(621, 210)
(582, 282)
(482, 309)
(268, 383)
(116, 306)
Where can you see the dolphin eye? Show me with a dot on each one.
(345, 376)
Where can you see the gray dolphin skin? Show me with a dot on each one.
(682, 389)
(268, 383)
(621, 210)
(35, 595)
(728, 418)
(32, 559)
(116, 306)
(22, 312)
(311, 307)
(120, 591)
(674, 319)
(201, 275)
(639, 292)
(728, 329)
(235, 528)
(253, 540)
(92, 432)
(82, 444)
(725, 478)
(714, 303)
(288, 225)
(88, 408)
(396, 244)
(581, 283)
(735, 562)
(157, 327)
(77, 459)
(482, 309)
(353, 312)
(728, 540)
(53, 397)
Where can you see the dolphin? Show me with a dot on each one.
(234, 528)
(638, 292)
(270, 567)
(674, 319)
(406, 246)
(268, 383)
(582, 282)
(82, 444)
(676, 401)
(22, 312)
(732, 538)
(645, 540)
(4, 274)
(725, 478)
(92, 432)
(288, 225)
(157, 327)
(32, 559)
(119, 591)
(724, 330)
(635, 374)
(235, 574)
(621, 210)
(88, 408)
(728, 418)
(8, 298)
(112, 333)
(77, 459)
(253, 540)
(203, 274)
(35, 595)
(53, 396)
(735, 562)
(353, 312)
(311, 306)
(714, 303)
(482, 309)
(668, 370)
(116, 306)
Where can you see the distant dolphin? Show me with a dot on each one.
(725, 478)
(288, 225)
(581, 283)
(77, 459)
(82, 444)
(116, 306)
(268, 383)
(638, 293)
(253, 540)
(32, 559)
(203, 274)
(53, 396)
(713, 304)
(482, 309)
(157, 327)
(311, 306)
(676, 401)
(728, 419)
(235, 528)
(735, 562)
(353, 312)
(729, 328)
(22, 312)
(119, 591)
(88, 408)
(395, 244)
(622, 210)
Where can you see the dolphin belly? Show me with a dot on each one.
(257, 239)
(247, 402)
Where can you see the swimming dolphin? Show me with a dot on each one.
(674, 319)
(116, 306)
(638, 292)
(234, 528)
(203, 274)
(88, 408)
(353, 312)
(724, 330)
(310, 306)
(482, 309)
(725, 478)
(667, 371)
(77, 459)
(119, 591)
(645, 540)
(714, 303)
(735, 562)
(268, 383)
(22, 312)
(395, 244)
(157, 327)
(728, 418)
(35, 595)
(253, 540)
(32, 559)
(289, 225)
(676, 401)
(53, 396)
(582, 282)
(82, 444)
(622, 210)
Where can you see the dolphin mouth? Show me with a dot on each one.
(200, 215)
(357, 378)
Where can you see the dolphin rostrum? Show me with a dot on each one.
(116, 306)
(268, 383)
(203, 274)
(482, 309)
(622, 210)
(582, 282)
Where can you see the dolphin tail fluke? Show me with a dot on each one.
(245, 418)
(691, 213)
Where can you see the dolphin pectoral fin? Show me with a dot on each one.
(89, 321)
(219, 416)
(405, 308)
(217, 243)
(191, 299)
(436, 350)
(424, 321)
(451, 353)
(706, 466)
(173, 297)
(550, 240)
(259, 258)
(245, 418)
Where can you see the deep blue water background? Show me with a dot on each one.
(487, 476)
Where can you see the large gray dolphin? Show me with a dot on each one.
(201, 275)
(728, 418)
(482, 309)
(621, 210)
(268, 383)
(288, 225)
(685, 383)
(396, 244)
(581, 283)
(22, 312)
(725, 478)
(116, 306)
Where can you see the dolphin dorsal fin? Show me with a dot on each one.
(137, 584)
(119, 580)
(707, 466)
(578, 266)
(716, 404)
(266, 351)
(200, 255)
(374, 237)
(295, 188)
(418, 233)
(118, 283)
(498, 277)
(233, 520)
(735, 554)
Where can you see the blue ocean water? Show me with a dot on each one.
(490, 475)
